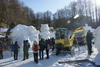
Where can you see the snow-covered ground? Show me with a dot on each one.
(8, 60)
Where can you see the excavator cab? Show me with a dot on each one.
(61, 33)
(63, 37)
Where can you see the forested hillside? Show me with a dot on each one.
(13, 12)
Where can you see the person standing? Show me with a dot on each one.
(16, 46)
(35, 48)
(12, 48)
(47, 48)
(89, 38)
(28, 45)
(25, 50)
(41, 50)
(53, 43)
(1, 51)
(79, 38)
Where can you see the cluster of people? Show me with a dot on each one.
(43, 45)
(15, 47)
(37, 48)
(89, 37)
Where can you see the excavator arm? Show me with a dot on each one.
(71, 40)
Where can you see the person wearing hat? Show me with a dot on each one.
(16, 46)
(25, 49)
(89, 38)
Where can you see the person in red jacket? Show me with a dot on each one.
(35, 48)
(79, 40)
(1, 51)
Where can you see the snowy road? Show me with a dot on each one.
(8, 60)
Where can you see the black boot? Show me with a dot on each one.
(40, 58)
(27, 58)
(23, 59)
(47, 58)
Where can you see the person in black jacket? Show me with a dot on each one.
(47, 48)
(42, 47)
(89, 38)
(52, 43)
(16, 46)
(1, 55)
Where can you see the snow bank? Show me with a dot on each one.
(23, 32)
(3, 29)
(45, 33)
(96, 34)
(52, 33)
(33, 33)
(86, 27)
(97, 38)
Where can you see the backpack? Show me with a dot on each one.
(28, 45)
(79, 39)
(12, 47)
(48, 46)
(35, 47)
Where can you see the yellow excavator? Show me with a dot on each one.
(64, 41)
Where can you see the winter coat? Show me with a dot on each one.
(25, 47)
(79, 39)
(42, 45)
(28, 45)
(33, 48)
(16, 46)
(12, 47)
(47, 45)
(53, 41)
(89, 36)
(1, 47)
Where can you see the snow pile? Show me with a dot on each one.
(45, 34)
(97, 38)
(33, 34)
(2, 32)
(80, 55)
(86, 27)
(52, 34)
(23, 32)
(3, 29)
